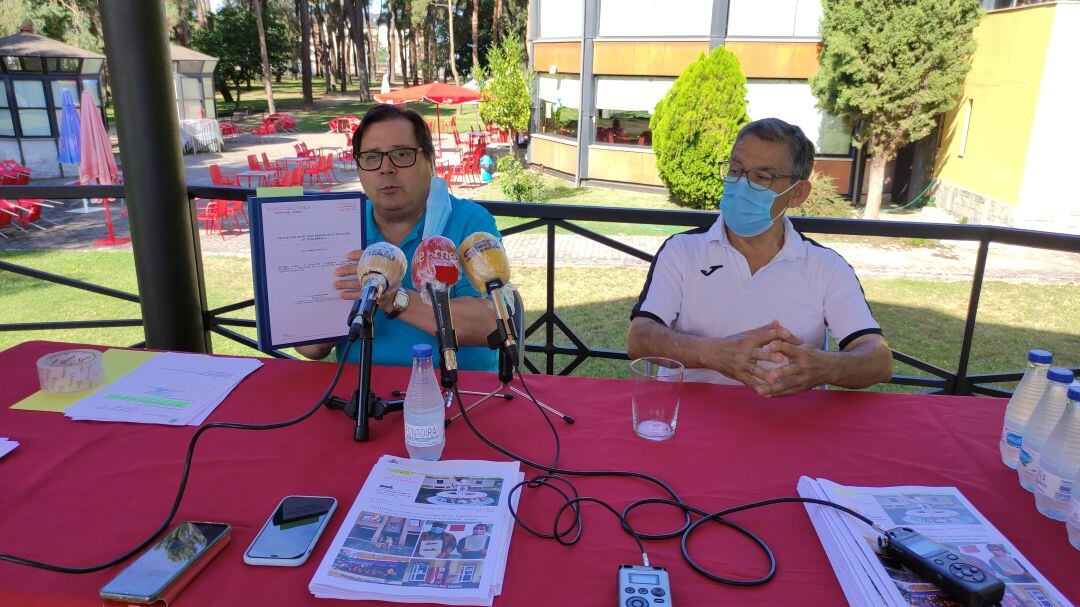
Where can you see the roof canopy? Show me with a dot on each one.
(32, 45)
(182, 53)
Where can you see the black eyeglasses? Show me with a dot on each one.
(759, 179)
(402, 158)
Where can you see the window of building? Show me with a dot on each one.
(792, 101)
(33, 113)
(655, 18)
(624, 107)
(559, 100)
(58, 88)
(92, 86)
(467, 572)
(62, 64)
(7, 127)
(561, 18)
(774, 18)
(967, 126)
(419, 573)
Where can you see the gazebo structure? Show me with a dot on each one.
(34, 72)
(193, 79)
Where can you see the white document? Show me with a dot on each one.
(303, 242)
(172, 388)
(423, 532)
(7, 446)
(941, 513)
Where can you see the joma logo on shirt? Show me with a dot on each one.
(711, 270)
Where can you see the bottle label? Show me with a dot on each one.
(424, 436)
(1074, 510)
(1011, 435)
(1028, 461)
(1053, 486)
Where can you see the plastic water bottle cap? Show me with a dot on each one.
(1074, 392)
(1060, 375)
(424, 351)
(1040, 357)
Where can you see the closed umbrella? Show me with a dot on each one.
(69, 130)
(98, 165)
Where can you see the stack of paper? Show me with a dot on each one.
(172, 388)
(423, 532)
(7, 445)
(941, 513)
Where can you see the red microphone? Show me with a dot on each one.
(434, 270)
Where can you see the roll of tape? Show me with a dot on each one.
(70, 371)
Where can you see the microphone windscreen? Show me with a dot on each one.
(435, 261)
(484, 260)
(384, 259)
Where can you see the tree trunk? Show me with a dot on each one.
(391, 45)
(202, 11)
(412, 56)
(475, 35)
(226, 94)
(343, 48)
(453, 61)
(876, 185)
(402, 55)
(305, 53)
(357, 20)
(265, 57)
(372, 40)
(496, 25)
(324, 49)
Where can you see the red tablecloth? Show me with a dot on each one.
(77, 493)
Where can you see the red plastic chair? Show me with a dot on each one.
(219, 177)
(228, 129)
(253, 163)
(214, 215)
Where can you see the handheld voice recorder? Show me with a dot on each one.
(967, 583)
(641, 586)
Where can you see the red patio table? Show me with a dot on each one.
(78, 493)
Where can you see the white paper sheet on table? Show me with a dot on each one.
(7, 446)
(174, 389)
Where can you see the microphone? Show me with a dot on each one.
(434, 270)
(488, 269)
(380, 269)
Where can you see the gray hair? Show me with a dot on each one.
(800, 148)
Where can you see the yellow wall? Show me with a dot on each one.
(554, 155)
(644, 58)
(776, 59)
(565, 56)
(1003, 85)
(628, 167)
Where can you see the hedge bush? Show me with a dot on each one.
(694, 127)
(824, 200)
(519, 183)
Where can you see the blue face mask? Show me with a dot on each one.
(746, 211)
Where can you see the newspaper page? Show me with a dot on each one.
(434, 532)
(941, 513)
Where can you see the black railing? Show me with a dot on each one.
(554, 217)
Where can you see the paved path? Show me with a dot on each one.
(889, 258)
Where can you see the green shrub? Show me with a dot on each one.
(694, 127)
(824, 200)
(519, 183)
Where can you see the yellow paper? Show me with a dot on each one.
(117, 363)
(266, 192)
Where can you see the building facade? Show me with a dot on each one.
(1008, 149)
(601, 66)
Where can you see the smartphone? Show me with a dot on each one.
(186, 548)
(289, 535)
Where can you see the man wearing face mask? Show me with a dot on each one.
(749, 299)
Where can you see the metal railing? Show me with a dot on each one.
(555, 217)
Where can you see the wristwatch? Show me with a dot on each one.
(401, 301)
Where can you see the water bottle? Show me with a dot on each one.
(425, 416)
(1022, 403)
(1046, 415)
(1059, 461)
(1072, 523)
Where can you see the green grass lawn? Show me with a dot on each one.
(924, 319)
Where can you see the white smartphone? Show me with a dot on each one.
(290, 534)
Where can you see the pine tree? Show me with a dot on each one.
(694, 127)
(891, 66)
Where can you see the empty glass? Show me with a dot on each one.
(657, 385)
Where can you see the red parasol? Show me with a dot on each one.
(432, 92)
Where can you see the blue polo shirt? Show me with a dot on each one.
(394, 338)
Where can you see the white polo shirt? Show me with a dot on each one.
(700, 284)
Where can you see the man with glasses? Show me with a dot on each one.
(749, 299)
(393, 149)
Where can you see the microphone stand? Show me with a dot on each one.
(508, 360)
(363, 404)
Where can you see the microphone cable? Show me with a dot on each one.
(184, 479)
(554, 476)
